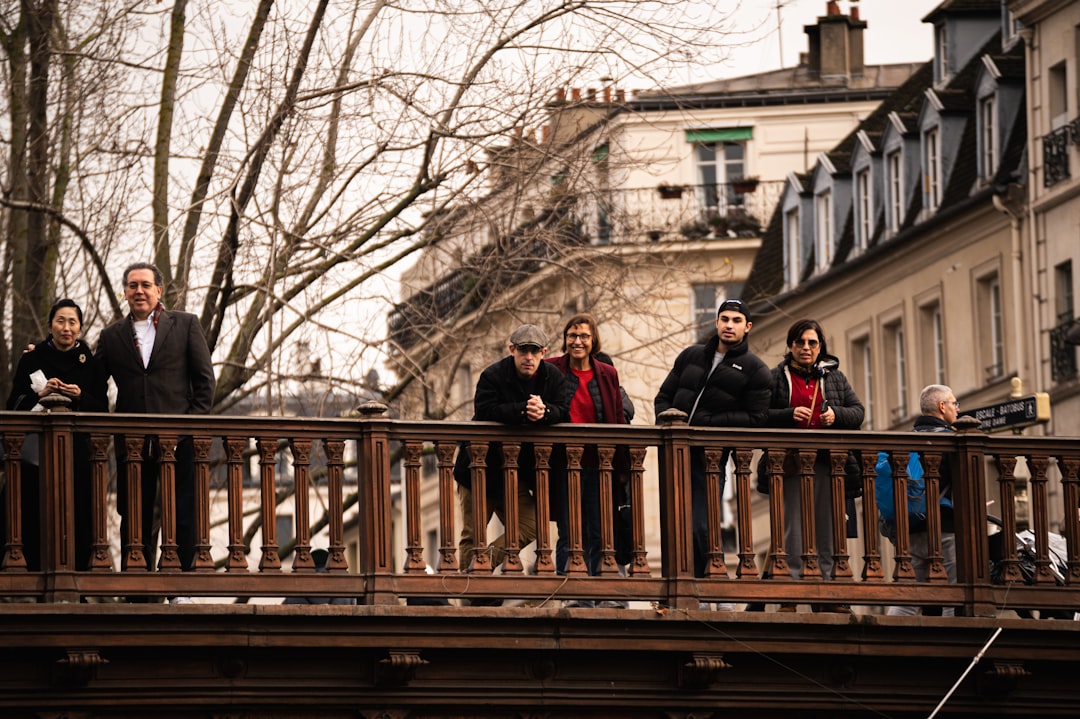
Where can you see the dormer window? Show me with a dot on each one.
(932, 168)
(988, 140)
(823, 213)
(895, 181)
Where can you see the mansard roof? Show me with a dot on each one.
(903, 110)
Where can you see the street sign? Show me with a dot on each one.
(1013, 413)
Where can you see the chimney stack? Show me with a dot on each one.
(836, 44)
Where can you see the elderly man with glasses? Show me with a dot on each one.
(939, 409)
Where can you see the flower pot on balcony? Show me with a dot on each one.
(744, 185)
(670, 192)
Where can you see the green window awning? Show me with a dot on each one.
(720, 134)
(600, 154)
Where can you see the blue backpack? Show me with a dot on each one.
(916, 489)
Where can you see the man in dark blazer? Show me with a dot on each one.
(161, 364)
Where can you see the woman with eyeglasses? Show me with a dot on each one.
(594, 396)
(810, 392)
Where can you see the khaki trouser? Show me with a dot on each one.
(467, 540)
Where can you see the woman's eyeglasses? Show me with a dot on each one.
(806, 343)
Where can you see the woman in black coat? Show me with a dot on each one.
(61, 364)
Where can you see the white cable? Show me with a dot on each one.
(966, 672)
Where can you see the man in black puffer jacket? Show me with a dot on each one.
(718, 384)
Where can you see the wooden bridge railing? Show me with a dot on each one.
(661, 564)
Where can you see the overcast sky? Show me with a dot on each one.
(894, 33)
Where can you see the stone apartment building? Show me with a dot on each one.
(936, 242)
(646, 211)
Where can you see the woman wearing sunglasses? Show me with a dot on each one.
(810, 392)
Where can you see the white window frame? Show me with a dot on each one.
(895, 177)
(941, 37)
(988, 137)
(863, 378)
(823, 235)
(901, 370)
(1058, 95)
(997, 326)
(932, 168)
(792, 261)
(864, 209)
(938, 330)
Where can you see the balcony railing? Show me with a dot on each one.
(984, 467)
(1056, 152)
(596, 217)
(1062, 352)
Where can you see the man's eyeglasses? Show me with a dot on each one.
(574, 337)
(806, 343)
(954, 403)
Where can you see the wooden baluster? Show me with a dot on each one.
(414, 550)
(14, 558)
(1037, 464)
(169, 560)
(676, 511)
(204, 560)
(335, 478)
(778, 564)
(841, 564)
(608, 565)
(447, 545)
(100, 557)
(1010, 565)
(931, 462)
(56, 503)
(133, 559)
(1070, 482)
(640, 563)
(511, 510)
(811, 569)
(375, 560)
(234, 458)
(903, 571)
(544, 562)
(715, 566)
(301, 451)
(481, 559)
(575, 562)
(747, 568)
(872, 568)
(271, 558)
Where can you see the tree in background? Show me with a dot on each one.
(279, 162)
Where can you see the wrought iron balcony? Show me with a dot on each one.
(594, 218)
(1056, 152)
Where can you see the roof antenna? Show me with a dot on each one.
(780, 33)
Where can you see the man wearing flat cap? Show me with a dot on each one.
(520, 389)
(718, 384)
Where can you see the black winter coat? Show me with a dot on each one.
(736, 394)
(74, 366)
(501, 397)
